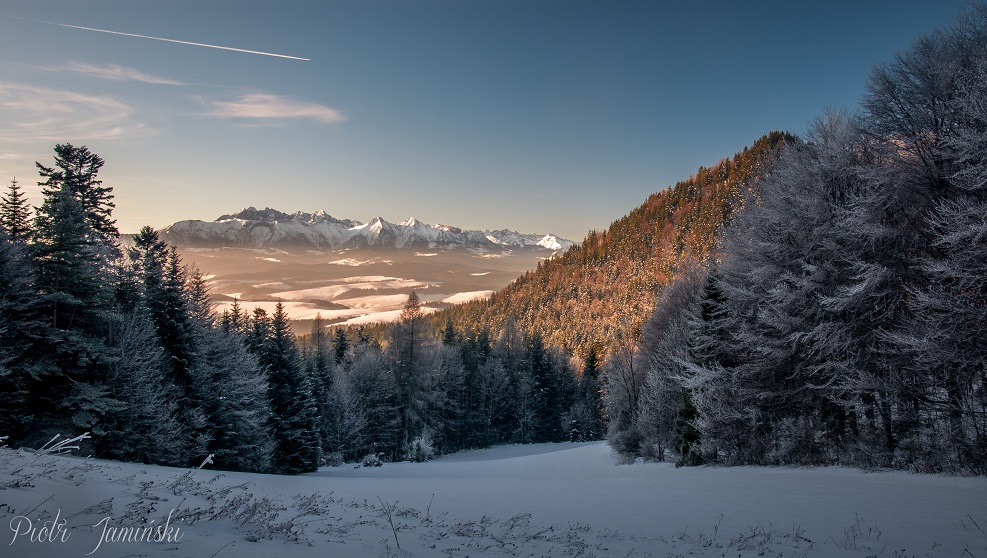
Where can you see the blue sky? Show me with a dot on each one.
(537, 115)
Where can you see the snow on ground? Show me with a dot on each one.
(460, 298)
(295, 310)
(537, 500)
(377, 302)
(351, 262)
(383, 317)
(272, 285)
(330, 292)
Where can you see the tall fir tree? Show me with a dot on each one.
(15, 213)
(73, 254)
(407, 356)
(75, 170)
(293, 415)
(20, 328)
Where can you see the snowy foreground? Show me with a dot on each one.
(537, 500)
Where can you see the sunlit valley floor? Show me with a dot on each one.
(354, 286)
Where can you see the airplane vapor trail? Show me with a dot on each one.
(262, 53)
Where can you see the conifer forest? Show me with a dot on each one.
(818, 299)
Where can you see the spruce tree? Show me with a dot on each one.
(20, 329)
(320, 372)
(15, 213)
(75, 170)
(74, 280)
(293, 416)
(340, 346)
(406, 353)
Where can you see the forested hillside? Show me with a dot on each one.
(846, 318)
(598, 294)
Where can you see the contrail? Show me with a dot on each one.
(159, 38)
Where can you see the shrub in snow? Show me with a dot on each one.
(371, 460)
(334, 459)
(421, 449)
(626, 442)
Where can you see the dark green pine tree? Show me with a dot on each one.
(76, 169)
(159, 269)
(294, 423)
(589, 389)
(546, 413)
(74, 283)
(234, 319)
(340, 346)
(318, 363)
(15, 214)
(258, 331)
(20, 328)
(449, 336)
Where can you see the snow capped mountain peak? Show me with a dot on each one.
(253, 214)
(259, 228)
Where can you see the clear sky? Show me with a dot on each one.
(537, 115)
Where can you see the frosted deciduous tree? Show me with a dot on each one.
(623, 382)
(664, 350)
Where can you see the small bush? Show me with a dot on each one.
(627, 442)
(371, 460)
(421, 449)
(334, 459)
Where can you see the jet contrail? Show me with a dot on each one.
(159, 38)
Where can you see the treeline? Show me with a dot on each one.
(120, 340)
(845, 320)
(418, 393)
(596, 295)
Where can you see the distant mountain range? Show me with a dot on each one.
(270, 228)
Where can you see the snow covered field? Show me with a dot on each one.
(535, 500)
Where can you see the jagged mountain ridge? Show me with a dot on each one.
(270, 228)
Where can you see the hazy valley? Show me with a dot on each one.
(355, 285)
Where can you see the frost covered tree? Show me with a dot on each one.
(951, 313)
(21, 327)
(373, 404)
(143, 425)
(165, 293)
(235, 402)
(72, 249)
(916, 110)
(664, 350)
(623, 381)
